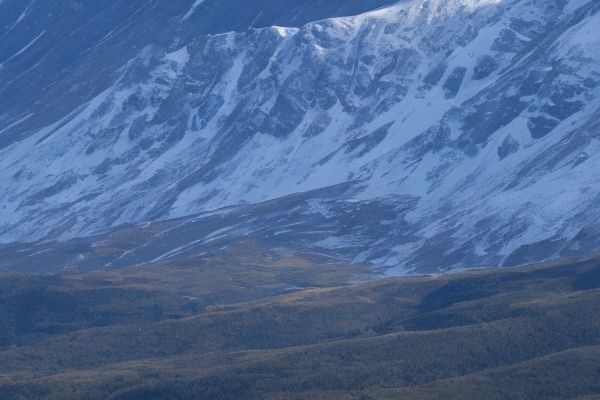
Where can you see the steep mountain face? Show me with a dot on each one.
(57, 55)
(420, 135)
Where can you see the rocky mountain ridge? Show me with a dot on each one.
(421, 135)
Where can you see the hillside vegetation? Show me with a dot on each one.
(522, 333)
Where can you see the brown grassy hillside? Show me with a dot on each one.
(523, 333)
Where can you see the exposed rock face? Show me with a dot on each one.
(467, 128)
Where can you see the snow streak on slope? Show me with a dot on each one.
(193, 9)
(480, 116)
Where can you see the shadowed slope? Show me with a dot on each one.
(415, 337)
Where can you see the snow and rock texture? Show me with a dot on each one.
(463, 132)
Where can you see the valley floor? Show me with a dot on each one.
(209, 332)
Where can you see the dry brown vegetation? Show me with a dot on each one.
(524, 333)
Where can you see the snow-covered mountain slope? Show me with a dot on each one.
(56, 55)
(467, 128)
